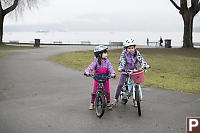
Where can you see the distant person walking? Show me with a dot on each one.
(147, 41)
(160, 42)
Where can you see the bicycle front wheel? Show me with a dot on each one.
(123, 96)
(100, 105)
(137, 98)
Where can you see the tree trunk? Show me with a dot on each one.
(2, 15)
(188, 30)
(1, 27)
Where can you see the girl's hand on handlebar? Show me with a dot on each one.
(87, 73)
(120, 69)
(147, 67)
(112, 75)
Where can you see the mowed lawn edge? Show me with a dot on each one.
(10, 47)
(4, 54)
(173, 69)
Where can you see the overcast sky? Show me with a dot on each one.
(104, 15)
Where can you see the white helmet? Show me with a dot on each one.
(100, 49)
(129, 42)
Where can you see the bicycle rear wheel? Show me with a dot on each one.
(100, 105)
(137, 98)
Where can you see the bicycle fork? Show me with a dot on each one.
(130, 90)
(137, 87)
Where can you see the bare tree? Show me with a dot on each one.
(188, 9)
(7, 6)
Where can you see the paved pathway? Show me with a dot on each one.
(38, 96)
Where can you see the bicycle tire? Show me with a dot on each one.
(100, 105)
(137, 98)
(124, 100)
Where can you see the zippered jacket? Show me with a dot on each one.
(128, 61)
(104, 63)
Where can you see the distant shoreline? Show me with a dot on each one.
(19, 43)
(78, 44)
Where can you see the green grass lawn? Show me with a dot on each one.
(4, 54)
(10, 47)
(174, 69)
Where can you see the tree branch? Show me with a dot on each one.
(194, 2)
(11, 8)
(174, 3)
(1, 6)
(197, 9)
(184, 5)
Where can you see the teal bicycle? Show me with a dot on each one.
(132, 88)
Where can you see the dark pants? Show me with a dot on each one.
(120, 84)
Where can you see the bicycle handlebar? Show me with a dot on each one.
(93, 76)
(129, 71)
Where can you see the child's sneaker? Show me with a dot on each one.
(91, 107)
(135, 104)
(114, 102)
(109, 106)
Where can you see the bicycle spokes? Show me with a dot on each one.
(100, 105)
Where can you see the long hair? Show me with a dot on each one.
(99, 55)
(135, 54)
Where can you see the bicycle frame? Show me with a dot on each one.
(100, 88)
(100, 85)
(100, 98)
(131, 88)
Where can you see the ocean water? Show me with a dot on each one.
(97, 37)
